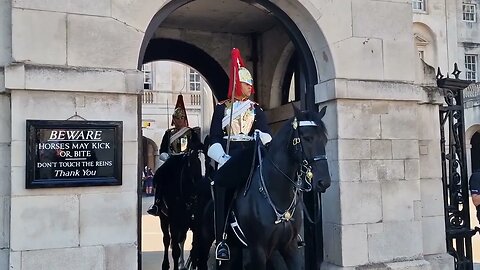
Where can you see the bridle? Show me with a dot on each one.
(304, 173)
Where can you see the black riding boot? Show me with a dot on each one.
(159, 205)
(222, 251)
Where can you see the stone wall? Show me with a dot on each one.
(5, 178)
(384, 204)
(72, 59)
(385, 165)
(383, 148)
(5, 131)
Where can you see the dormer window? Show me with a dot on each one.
(418, 5)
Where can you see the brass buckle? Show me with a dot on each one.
(296, 141)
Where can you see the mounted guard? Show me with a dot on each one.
(234, 123)
(176, 143)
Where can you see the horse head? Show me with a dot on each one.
(309, 137)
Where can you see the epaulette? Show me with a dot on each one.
(226, 102)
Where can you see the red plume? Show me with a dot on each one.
(235, 64)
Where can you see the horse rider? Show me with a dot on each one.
(475, 190)
(232, 143)
(176, 142)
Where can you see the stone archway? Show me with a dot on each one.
(181, 51)
(306, 45)
(472, 147)
(150, 153)
(304, 41)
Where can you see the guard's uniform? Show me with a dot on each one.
(175, 144)
(475, 188)
(247, 117)
(236, 121)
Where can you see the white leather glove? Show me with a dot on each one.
(164, 156)
(217, 153)
(264, 137)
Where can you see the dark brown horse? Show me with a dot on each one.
(178, 178)
(270, 211)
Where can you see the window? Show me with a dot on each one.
(421, 54)
(422, 45)
(147, 76)
(418, 5)
(194, 80)
(471, 61)
(469, 12)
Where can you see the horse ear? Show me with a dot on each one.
(322, 112)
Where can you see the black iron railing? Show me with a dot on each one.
(454, 171)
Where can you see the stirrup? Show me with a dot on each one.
(300, 242)
(222, 251)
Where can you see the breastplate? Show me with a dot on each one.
(243, 123)
(180, 145)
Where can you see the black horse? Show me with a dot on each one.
(177, 178)
(269, 208)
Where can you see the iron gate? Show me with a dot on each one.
(454, 171)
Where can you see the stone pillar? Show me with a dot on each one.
(5, 139)
(69, 59)
(5, 132)
(384, 208)
(386, 180)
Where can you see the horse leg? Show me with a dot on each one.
(236, 259)
(203, 236)
(292, 257)
(166, 240)
(178, 238)
(181, 246)
(202, 249)
(181, 260)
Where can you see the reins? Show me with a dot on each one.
(303, 174)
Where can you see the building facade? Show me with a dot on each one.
(163, 82)
(59, 60)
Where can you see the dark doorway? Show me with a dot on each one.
(475, 151)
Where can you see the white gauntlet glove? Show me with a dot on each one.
(164, 156)
(217, 153)
(264, 137)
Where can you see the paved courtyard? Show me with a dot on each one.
(152, 247)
